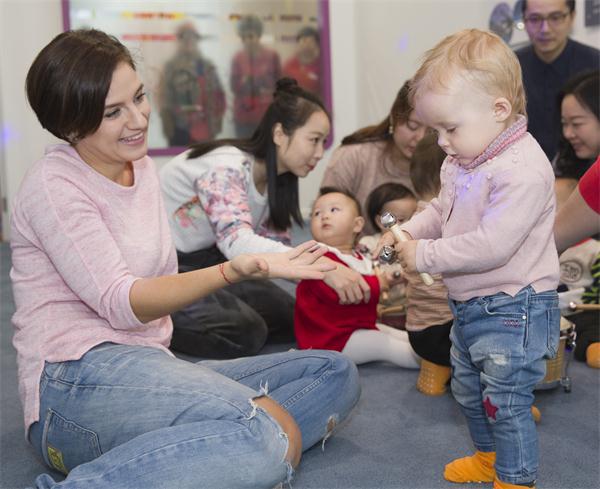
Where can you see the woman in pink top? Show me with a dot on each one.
(95, 278)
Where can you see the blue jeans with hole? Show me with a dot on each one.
(499, 347)
(134, 417)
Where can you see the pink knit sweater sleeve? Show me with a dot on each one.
(82, 248)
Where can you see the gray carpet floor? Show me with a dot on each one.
(395, 438)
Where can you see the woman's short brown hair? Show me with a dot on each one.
(69, 80)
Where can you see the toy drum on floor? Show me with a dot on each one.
(556, 368)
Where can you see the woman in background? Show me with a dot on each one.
(580, 143)
(235, 196)
(377, 154)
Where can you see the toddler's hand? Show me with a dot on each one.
(387, 239)
(407, 255)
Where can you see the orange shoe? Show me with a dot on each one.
(498, 484)
(592, 355)
(537, 415)
(476, 468)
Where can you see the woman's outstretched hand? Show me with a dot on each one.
(297, 264)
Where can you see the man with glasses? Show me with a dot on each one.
(550, 60)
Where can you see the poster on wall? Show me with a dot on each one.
(506, 20)
(209, 68)
(592, 13)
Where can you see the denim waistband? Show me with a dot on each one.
(525, 291)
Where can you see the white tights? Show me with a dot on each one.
(385, 343)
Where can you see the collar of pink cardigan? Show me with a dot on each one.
(509, 136)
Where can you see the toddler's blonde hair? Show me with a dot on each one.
(480, 57)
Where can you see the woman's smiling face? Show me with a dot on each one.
(122, 135)
(580, 127)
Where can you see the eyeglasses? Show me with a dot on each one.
(555, 19)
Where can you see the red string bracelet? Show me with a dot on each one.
(222, 270)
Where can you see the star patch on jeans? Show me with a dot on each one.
(490, 409)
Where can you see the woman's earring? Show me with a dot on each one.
(391, 129)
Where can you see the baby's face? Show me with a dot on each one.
(403, 209)
(463, 116)
(335, 220)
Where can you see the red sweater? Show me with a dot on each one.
(321, 322)
(589, 186)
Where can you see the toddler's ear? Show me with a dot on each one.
(359, 224)
(502, 109)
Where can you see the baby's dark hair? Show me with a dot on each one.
(382, 195)
(347, 193)
(425, 166)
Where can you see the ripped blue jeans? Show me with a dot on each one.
(130, 416)
(499, 344)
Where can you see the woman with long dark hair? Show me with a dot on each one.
(377, 154)
(235, 196)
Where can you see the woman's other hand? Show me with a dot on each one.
(349, 285)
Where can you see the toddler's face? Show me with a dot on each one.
(335, 220)
(463, 116)
(403, 209)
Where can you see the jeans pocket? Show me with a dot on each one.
(507, 317)
(553, 317)
(65, 444)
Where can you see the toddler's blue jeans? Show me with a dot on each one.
(499, 344)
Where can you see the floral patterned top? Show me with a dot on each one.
(212, 200)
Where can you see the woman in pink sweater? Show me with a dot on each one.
(95, 278)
